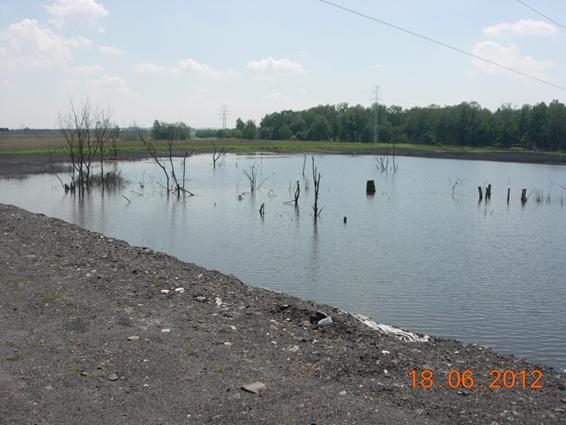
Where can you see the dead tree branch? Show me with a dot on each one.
(219, 153)
(153, 153)
(316, 180)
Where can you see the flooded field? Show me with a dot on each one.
(421, 253)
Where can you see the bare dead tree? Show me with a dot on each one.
(53, 171)
(297, 193)
(218, 153)
(76, 128)
(383, 164)
(184, 167)
(86, 131)
(395, 166)
(178, 186)
(456, 183)
(181, 187)
(253, 179)
(170, 151)
(114, 135)
(251, 175)
(316, 180)
(153, 153)
(102, 134)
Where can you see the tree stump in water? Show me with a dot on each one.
(370, 187)
(523, 195)
(488, 192)
(480, 193)
(508, 193)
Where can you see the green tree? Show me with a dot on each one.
(250, 130)
(319, 129)
(170, 131)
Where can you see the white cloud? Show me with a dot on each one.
(111, 51)
(509, 56)
(75, 11)
(186, 66)
(85, 71)
(97, 78)
(523, 27)
(6, 63)
(6, 85)
(151, 68)
(112, 84)
(377, 66)
(79, 42)
(30, 45)
(271, 66)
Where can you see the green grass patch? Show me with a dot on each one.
(14, 358)
(276, 146)
(56, 299)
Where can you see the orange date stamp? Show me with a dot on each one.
(467, 379)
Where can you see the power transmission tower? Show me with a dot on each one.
(375, 104)
(224, 114)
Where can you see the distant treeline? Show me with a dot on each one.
(162, 130)
(540, 126)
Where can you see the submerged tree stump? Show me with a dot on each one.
(480, 193)
(508, 193)
(523, 195)
(488, 192)
(370, 187)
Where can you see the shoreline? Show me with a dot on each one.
(73, 302)
(19, 164)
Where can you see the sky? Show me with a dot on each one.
(181, 60)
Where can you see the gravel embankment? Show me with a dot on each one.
(88, 337)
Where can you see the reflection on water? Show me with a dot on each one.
(415, 255)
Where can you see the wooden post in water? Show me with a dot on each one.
(508, 193)
(262, 209)
(488, 192)
(480, 193)
(523, 195)
(370, 187)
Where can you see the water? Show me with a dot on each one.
(413, 255)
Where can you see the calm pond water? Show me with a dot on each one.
(414, 255)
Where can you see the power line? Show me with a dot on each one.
(224, 115)
(440, 43)
(375, 105)
(548, 18)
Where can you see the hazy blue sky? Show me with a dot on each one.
(181, 60)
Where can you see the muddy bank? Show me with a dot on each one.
(94, 331)
(18, 165)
